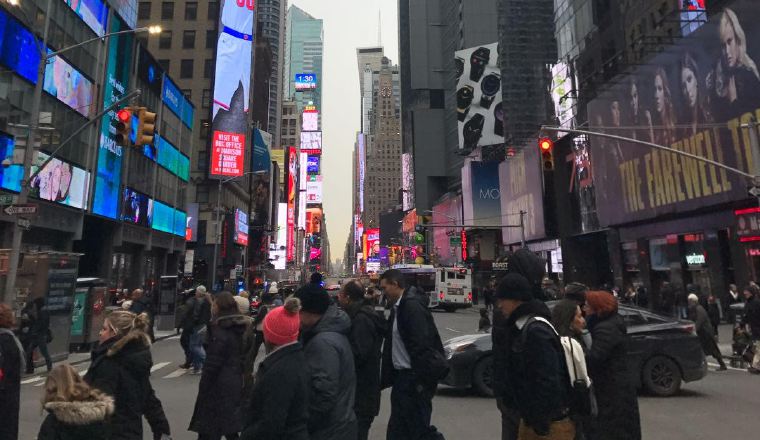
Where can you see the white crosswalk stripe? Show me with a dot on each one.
(32, 380)
(159, 366)
(177, 373)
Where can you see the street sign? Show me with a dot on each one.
(6, 199)
(24, 223)
(754, 191)
(455, 241)
(28, 209)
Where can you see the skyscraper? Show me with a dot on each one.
(271, 15)
(304, 49)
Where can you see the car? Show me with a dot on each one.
(663, 353)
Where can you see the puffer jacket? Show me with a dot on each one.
(77, 420)
(121, 368)
(333, 379)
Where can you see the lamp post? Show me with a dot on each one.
(9, 294)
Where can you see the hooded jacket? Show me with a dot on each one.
(121, 368)
(367, 333)
(218, 406)
(77, 420)
(333, 378)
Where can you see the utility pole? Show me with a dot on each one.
(522, 228)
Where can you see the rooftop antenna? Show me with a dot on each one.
(379, 27)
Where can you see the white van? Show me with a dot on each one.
(454, 288)
(423, 277)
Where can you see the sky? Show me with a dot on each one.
(348, 24)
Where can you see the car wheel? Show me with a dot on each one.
(661, 376)
(482, 377)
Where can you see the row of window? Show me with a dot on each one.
(165, 40)
(167, 11)
(187, 67)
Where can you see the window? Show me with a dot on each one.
(186, 69)
(143, 11)
(213, 10)
(206, 98)
(165, 40)
(188, 40)
(202, 161)
(191, 10)
(167, 10)
(202, 223)
(210, 39)
(188, 93)
(201, 193)
(204, 128)
(208, 68)
(165, 64)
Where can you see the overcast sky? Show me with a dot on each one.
(348, 24)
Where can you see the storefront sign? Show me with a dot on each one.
(747, 223)
(696, 259)
(500, 266)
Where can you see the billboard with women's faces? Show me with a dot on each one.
(694, 96)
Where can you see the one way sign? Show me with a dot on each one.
(28, 209)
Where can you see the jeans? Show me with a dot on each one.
(184, 341)
(39, 342)
(363, 424)
(560, 430)
(411, 408)
(196, 348)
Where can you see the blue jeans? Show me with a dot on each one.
(196, 350)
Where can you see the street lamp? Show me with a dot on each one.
(29, 150)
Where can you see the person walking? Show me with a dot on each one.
(705, 330)
(120, 367)
(607, 362)
(35, 332)
(324, 334)
(734, 297)
(11, 365)
(200, 321)
(413, 360)
(366, 338)
(141, 304)
(536, 373)
(186, 324)
(217, 407)
(75, 410)
(279, 400)
(751, 320)
(714, 312)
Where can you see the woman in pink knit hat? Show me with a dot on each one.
(279, 407)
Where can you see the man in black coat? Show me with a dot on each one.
(413, 360)
(11, 366)
(366, 337)
(536, 373)
(752, 320)
(35, 329)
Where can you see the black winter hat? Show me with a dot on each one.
(314, 299)
(514, 286)
(316, 278)
(528, 264)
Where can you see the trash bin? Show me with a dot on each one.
(88, 312)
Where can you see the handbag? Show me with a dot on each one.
(582, 398)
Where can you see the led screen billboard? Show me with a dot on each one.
(360, 164)
(407, 181)
(135, 207)
(310, 120)
(305, 81)
(60, 182)
(373, 242)
(312, 165)
(291, 200)
(311, 142)
(10, 176)
(479, 97)
(151, 73)
(314, 190)
(93, 12)
(278, 254)
(170, 158)
(191, 228)
(69, 86)
(232, 86)
(108, 176)
(241, 228)
(180, 223)
(162, 217)
(18, 48)
(313, 220)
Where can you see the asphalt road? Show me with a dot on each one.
(723, 405)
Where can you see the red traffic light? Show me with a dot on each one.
(124, 115)
(545, 144)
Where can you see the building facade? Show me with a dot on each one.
(304, 51)
(271, 18)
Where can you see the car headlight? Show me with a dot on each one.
(450, 350)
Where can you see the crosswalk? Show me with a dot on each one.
(160, 370)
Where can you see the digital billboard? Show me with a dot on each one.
(262, 156)
(232, 84)
(171, 159)
(373, 242)
(479, 97)
(291, 200)
(241, 228)
(278, 254)
(310, 120)
(93, 12)
(162, 217)
(407, 181)
(135, 207)
(108, 176)
(360, 164)
(305, 81)
(311, 142)
(18, 48)
(60, 182)
(69, 86)
(152, 74)
(314, 190)
(191, 228)
(482, 203)
(694, 97)
(180, 223)
(312, 165)
(521, 189)
(10, 176)
(313, 220)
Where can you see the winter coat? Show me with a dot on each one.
(333, 378)
(752, 317)
(10, 386)
(279, 408)
(616, 398)
(186, 321)
(367, 333)
(536, 373)
(35, 323)
(121, 368)
(420, 337)
(705, 330)
(217, 408)
(77, 420)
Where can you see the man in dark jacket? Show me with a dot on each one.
(752, 320)
(201, 318)
(186, 324)
(35, 329)
(536, 373)
(324, 333)
(366, 337)
(705, 330)
(413, 360)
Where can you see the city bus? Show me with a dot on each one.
(454, 288)
(421, 276)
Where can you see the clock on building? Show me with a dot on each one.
(385, 92)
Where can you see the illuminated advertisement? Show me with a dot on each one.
(18, 48)
(482, 203)
(314, 190)
(93, 12)
(180, 223)
(313, 220)
(108, 177)
(312, 165)
(241, 228)
(563, 95)
(291, 201)
(171, 159)
(135, 207)
(310, 120)
(373, 242)
(305, 81)
(447, 212)
(277, 250)
(127, 10)
(60, 182)
(232, 84)
(407, 181)
(151, 73)
(479, 97)
(311, 142)
(262, 157)
(175, 100)
(161, 217)
(358, 228)
(360, 165)
(521, 189)
(69, 86)
(191, 227)
(303, 159)
(10, 177)
(694, 97)
(301, 211)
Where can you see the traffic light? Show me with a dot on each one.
(123, 126)
(146, 127)
(547, 153)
